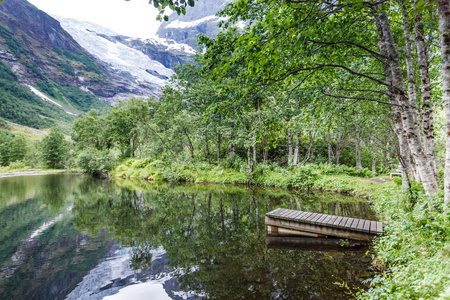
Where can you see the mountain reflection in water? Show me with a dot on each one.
(75, 237)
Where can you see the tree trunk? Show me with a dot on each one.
(330, 149)
(233, 146)
(249, 161)
(396, 111)
(339, 146)
(181, 145)
(296, 150)
(374, 153)
(444, 33)
(208, 153)
(310, 149)
(191, 146)
(297, 141)
(290, 147)
(409, 110)
(427, 110)
(219, 141)
(265, 152)
(357, 145)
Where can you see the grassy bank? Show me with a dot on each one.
(341, 179)
(412, 257)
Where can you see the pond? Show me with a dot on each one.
(75, 237)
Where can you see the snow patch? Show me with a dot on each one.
(47, 99)
(172, 45)
(117, 55)
(180, 24)
(141, 291)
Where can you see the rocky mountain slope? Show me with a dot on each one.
(53, 70)
(142, 63)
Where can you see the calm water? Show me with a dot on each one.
(75, 237)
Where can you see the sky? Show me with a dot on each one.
(134, 18)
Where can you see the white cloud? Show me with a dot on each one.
(135, 18)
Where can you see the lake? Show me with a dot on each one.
(72, 236)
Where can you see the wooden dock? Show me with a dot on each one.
(283, 221)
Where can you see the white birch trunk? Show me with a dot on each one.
(330, 149)
(427, 109)
(290, 147)
(396, 111)
(296, 150)
(444, 33)
(357, 145)
(297, 142)
(409, 111)
(374, 153)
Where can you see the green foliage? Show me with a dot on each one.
(413, 252)
(65, 67)
(89, 131)
(71, 95)
(11, 42)
(12, 149)
(19, 105)
(91, 160)
(54, 149)
(89, 64)
(328, 169)
(302, 179)
(33, 67)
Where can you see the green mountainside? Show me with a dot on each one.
(35, 52)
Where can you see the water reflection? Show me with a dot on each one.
(99, 239)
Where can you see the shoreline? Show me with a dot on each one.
(34, 172)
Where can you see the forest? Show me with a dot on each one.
(306, 89)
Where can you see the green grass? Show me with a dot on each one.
(306, 177)
(413, 255)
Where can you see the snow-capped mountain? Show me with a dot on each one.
(144, 63)
(200, 19)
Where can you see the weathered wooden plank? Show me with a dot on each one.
(284, 212)
(289, 214)
(373, 227)
(309, 217)
(348, 224)
(273, 212)
(331, 221)
(306, 216)
(293, 214)
(354, 224)
(366, 227)
(309, 223)
(320, 230)
(337, 221)
(300, 216)
(379, 227)
(322, 218)
(316, 217)
(360, 225)
(342, 222)
(326, 220)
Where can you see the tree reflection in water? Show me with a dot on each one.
(215, 238)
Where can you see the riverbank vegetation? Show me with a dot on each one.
(315, 99)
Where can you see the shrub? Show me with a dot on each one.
(92, 160)
(303, 178)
